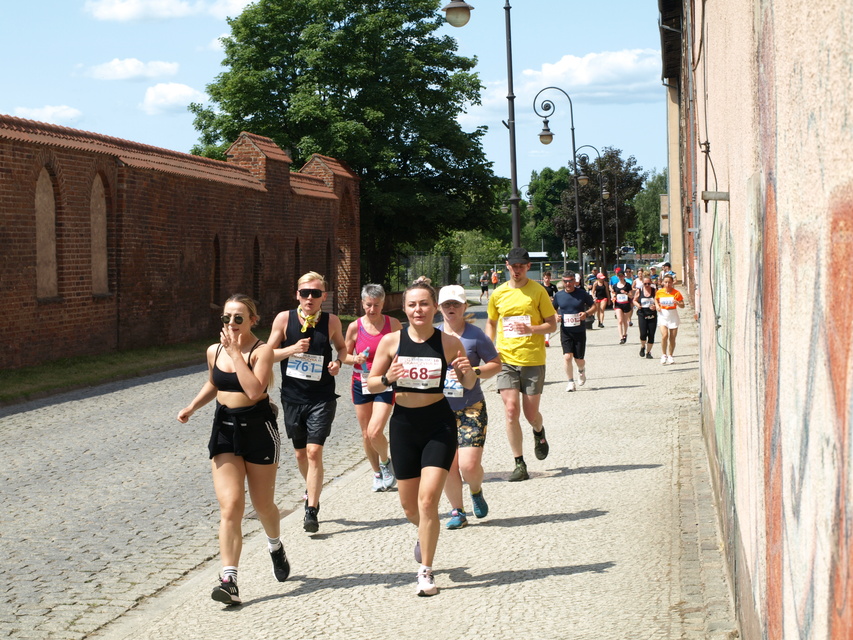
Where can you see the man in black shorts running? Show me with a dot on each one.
(573, 305)
(302, 341)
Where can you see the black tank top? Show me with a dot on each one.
(305, 377)
(426, 375)
(225, 381)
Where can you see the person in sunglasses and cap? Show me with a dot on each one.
(302, 341)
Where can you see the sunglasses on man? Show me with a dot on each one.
(311, 293)
(226, 319)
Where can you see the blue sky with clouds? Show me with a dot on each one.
(128, 68)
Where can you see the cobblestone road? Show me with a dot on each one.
(109, 525)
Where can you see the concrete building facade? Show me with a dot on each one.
(762, 181)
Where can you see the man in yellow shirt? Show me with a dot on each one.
(520, 317)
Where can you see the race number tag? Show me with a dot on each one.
(646, 303)
(305, 366)
(452, 387)
(621, 298)
(667, 302)
(509, 326)
(420, 372)
(572, 320)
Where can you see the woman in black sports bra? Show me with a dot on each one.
(422, 429)
(244, 444)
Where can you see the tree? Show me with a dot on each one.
(368, 82)
(646, 235)
(554, 202)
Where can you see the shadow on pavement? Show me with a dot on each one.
(566, 471)
(545, 518)
(393, 580)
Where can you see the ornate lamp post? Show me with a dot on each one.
(546, 137)
(602, 194)
(458, 13)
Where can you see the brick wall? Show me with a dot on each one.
(165, 212)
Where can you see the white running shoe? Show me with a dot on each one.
(670, 360)
(388, 479)
(378, 485)
(570, 386)
(426, 584)
(663, 359)
(581, 378)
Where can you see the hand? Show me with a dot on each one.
(395, 371)
(359, 359)
(184, 415)
(229, 344)
(461, 364)
(334, 367)
(302, 346)
(523, 328)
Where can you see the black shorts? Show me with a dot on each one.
(422, 437)
(624, 307)
(648, 326)
(574, 343)
(309, 423)
(248, 432)
(484, 288)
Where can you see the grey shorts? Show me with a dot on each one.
(529, 380)
(309, 423)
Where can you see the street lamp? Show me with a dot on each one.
(458, 13)
(602, 194)
(546, 137)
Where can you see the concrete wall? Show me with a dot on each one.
(768, 84)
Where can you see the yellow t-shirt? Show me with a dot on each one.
(529, 304)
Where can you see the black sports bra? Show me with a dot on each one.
(225, 381)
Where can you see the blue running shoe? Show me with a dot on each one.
(457, 519)
(481, 507)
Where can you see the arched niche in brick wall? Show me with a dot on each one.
(216, 276)
(47, 280)
(98, 235)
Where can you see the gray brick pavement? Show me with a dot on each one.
(113, 529)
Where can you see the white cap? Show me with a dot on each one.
(452, 292)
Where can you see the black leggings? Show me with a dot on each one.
(648, 326)
(422, 437)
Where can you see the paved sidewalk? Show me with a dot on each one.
(614, 536)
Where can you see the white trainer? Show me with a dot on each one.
(581, 378)
(570, 386)
(663, 359)
(389, 481)
(670, 360)
(377, 483)
(426, 584)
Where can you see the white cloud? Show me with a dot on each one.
(169, 97)
(131, 68)
(216, 43)
(128, 10)
(62, 114)
(627, 76)
(228, 8)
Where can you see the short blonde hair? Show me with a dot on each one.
(311, 275)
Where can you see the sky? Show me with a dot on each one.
(129, 68)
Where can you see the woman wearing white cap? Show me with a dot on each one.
(469, 406)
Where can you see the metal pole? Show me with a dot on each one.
(514, 198)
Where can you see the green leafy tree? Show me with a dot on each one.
(646, 234)
(554, 202)
(368, 82)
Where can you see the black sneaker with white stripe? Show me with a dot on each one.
(280, 565)
(226, 592)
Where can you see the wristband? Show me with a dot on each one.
(385, 380)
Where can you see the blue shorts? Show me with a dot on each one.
(360, 398)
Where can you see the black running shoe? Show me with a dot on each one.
(643, 352)
(310, 523)
(226, 592)
(280, 565)
(540, 448)
(624, 338)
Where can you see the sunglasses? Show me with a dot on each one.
(226, 319)
(568, 281)
(311, 293)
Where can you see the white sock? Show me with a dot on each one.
(274, 543)
(424, 569)
(229, 574)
